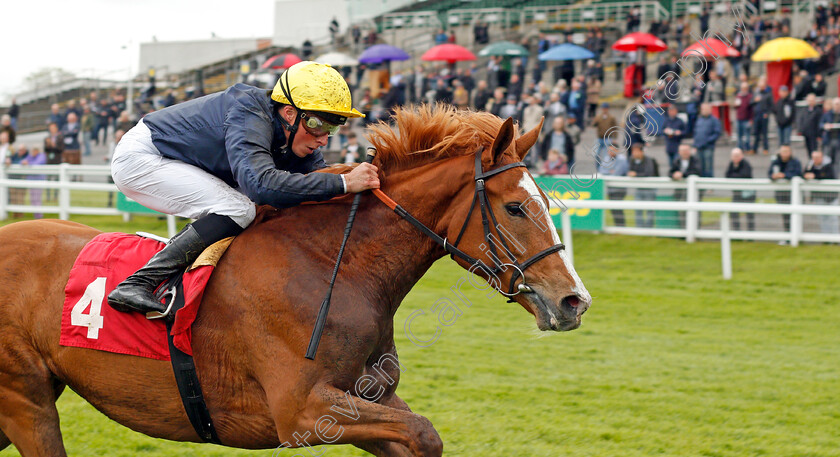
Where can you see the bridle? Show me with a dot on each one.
(480, 199)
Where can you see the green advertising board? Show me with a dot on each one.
(564, 188)
(128, 205)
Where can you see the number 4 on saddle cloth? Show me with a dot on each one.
(88, 322)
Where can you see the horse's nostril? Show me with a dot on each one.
(572, 300)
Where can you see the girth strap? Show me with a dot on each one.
(183, 366)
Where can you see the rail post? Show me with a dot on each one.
(4, 194)
(170, 225)
(795, 218)
(691, 217)
(725, 246)
(567, 235)
(63, 192)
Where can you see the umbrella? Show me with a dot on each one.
(448, 52)
(566, 51)
(711, 48)
(636, 40)
(379, 53)
(337, 59)
(280, 61)
(504, 48)
(786, 48)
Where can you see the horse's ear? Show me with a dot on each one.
(503, 141)
(525, 142)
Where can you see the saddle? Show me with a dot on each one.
(87, 322)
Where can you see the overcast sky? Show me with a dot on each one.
(88, 36)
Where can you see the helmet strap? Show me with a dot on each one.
(293, 128)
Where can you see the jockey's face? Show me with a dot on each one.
(304, 142)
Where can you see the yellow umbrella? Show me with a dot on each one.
(785, 48)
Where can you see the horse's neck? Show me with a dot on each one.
(401, 253)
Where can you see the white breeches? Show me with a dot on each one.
(171, 186)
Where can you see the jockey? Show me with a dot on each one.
(215, 158)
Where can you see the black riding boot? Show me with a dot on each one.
(136, 293)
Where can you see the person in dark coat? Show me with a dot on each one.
(442, 92)
(633, 128)
(744, 115)
(810, 123)
(394, 97)
(785, 112)
(821, 168)
(481, 95)
(642, 166)
(577, 102)
(674, 130)
(818, 85)
(683, 166)
(740, 168)
(56, 117)
(560, 140)
(498, 101)
(762, 103)
(706, 132)
(14, 112)
(663, 68)
(784, 166)
(830, 128)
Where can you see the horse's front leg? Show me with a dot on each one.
(388, 448)
(332, 416)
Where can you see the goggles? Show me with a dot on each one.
(317, 127)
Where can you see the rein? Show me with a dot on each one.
(480, 197)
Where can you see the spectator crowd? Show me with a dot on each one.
(570, 96)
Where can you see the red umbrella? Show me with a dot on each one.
(280, 61)
(448, 52)
(711, 48)
(636, 40)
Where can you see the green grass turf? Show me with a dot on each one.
(671, 360)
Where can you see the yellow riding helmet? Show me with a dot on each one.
(312, 86)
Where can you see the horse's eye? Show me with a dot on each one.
(514, 209)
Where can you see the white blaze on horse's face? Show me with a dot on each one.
(529, 185)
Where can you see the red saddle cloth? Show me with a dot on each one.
(89, 322)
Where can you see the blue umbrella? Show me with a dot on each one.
(567, 51)
(379, 53)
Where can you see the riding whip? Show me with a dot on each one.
(321, 321)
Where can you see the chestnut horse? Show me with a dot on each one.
(261, 303)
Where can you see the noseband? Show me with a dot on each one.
(480, 197)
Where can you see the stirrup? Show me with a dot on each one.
(172, 291)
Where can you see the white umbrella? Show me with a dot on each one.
(337, 59)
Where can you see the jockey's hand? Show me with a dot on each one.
(361, 178)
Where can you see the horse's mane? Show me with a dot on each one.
(423, 134)
(427, 133)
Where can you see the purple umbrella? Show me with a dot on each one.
(379, 53)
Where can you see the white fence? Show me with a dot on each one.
(61, 179)
(692, 207)
(64, 179)
(594, 13)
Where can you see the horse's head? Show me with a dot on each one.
(515, 243)
(484, 201)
